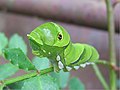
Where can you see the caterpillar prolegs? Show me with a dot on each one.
(52, 41)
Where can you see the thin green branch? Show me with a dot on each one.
(100, 77)
(26, 76)
(104, 62)
(111, 29)
(110, 65)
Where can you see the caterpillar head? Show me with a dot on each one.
(50, 34)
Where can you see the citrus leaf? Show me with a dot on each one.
(1, 86)
(7, 70)
(18, 58)
(61, 77)
(76, 84)
(41, 63)
(16, 85)
(43, 82)
(3, 42)
(17, 41)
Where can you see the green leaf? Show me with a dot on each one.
(1, 86)
(3, 42)
(17, 41)
(41, 63)
(61, 77)
(18, 58)
(16, 85)
(7, 70)
(43, 82)
(76, 84)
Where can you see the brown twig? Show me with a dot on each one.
(115, 2)
(116, 68)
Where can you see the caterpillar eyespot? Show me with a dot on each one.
(59, 36)
(61, 51)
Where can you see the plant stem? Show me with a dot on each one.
(100, 77)
(111, 29)
(26, 76)
(104, 62)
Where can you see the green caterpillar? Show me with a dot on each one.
(52, 41)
